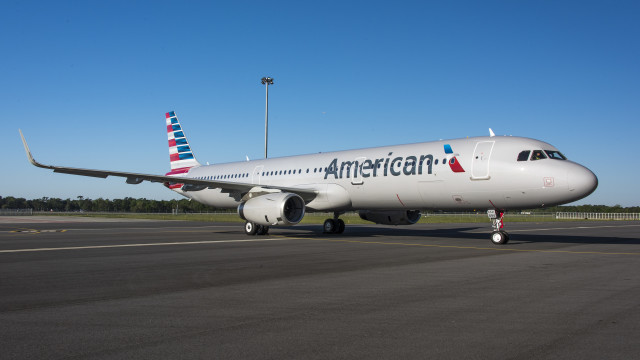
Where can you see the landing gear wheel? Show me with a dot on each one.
(329, 226)
(499, 237)
(340, 226)
(262, 230)
(250, 228)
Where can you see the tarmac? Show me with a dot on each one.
(73, 287)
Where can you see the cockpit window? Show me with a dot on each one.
(524, 155)
(556, 155)
(538, 155)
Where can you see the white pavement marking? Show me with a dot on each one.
(140, 245)
(25, 230)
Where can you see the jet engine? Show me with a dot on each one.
(408, 217)
(273, 209)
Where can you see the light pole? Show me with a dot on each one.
(266, 81)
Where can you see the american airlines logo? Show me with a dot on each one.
(399, 165)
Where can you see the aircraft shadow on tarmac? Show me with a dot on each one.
(474, 233)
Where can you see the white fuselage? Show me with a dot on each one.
(412, 176)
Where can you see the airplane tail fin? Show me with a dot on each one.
(180, 153)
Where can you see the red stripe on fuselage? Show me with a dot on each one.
(183, 170)
(179, 171)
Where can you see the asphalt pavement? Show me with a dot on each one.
(113, 289)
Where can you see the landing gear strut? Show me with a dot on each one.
(333, 226)
(255, 229)
(498, 236)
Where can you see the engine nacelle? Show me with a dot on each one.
(408, 217)
(273, 209)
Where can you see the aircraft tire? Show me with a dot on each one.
(262, 230)
(250, 228)
(340, 226)
(499, 237)
(329, 226)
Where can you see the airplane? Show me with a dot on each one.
(386, 185)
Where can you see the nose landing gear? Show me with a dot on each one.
(498, 236)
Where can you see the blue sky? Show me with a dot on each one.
(89, 82)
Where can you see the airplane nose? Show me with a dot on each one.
(581, 181)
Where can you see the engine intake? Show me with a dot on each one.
(408, 217)
(273, 209)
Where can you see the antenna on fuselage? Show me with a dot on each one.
(491, 133)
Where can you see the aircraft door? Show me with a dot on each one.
(356, 171)
(257, 175)
(480, 161)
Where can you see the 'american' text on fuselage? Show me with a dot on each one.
(371, 167)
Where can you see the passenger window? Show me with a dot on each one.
(538, 155)
(524, 155)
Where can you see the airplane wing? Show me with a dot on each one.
(135, 178)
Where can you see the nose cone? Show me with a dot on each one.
(581, 181)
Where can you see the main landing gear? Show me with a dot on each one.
(333, 226)
(255, 229)
(498, 236)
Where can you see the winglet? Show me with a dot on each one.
(491, 133)
(29, 156)
(26, 148)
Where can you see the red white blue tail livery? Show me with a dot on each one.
(180, 153)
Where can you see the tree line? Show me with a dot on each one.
(81, 204)
(590, 209)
